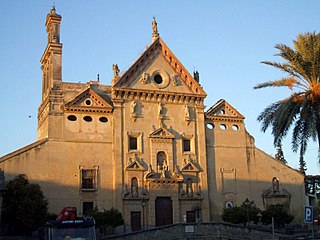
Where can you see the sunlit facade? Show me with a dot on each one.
(145, 145)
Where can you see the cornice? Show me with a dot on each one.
(88, 109)
(51, 47)
(157, 96)
(224, 118)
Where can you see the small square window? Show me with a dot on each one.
(133, 143)
(88, 179)
(87, 207)
(186, 145)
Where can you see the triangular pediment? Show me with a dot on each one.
(270, 193)
(162, 133)
(88, 100)
(135, 166)
(158, 60)
(222, 109)
(190, 167)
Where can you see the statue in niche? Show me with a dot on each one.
(134, 187)
(275, 185)
(116, 70)
(164, 171)
(162, 166)
(189, 189)
(144, 78)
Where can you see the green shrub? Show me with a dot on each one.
(24, 207)
(110, 217)
(281, 217)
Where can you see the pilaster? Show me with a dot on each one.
(202, 159)
(118, 155)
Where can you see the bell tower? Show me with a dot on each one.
(52, 57)
(51, 66)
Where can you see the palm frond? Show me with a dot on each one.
(294, 60)
(279, 116)
(283, 67)
(267, 116)
(302, 109)
(289, 82)
(284, 117)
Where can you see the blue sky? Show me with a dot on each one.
(224, 40)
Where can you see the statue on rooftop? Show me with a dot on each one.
(116, 70)
(155, 33)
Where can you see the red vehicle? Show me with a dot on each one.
(68, 227)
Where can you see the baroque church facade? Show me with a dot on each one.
(146, 146)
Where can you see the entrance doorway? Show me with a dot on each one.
(135, 221)
(164, 214)
(191, 216)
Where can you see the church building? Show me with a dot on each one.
(146, 145)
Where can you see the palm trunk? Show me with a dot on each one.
(318, 133)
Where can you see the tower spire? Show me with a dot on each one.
(155, 33)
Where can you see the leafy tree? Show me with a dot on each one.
(107, 218)
(239, 215)
(302, 108)
(279, 155)
(281, 217)
(24, 207)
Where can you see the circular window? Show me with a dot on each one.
(72, 118)
(103, 119)
(235, 127)
(88, 102)
(210, 126)
(87, 118)
(223, 127)
(158, 79)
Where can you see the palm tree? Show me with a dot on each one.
(302, 108)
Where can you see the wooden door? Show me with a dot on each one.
(163, 211)
(191, 216)
(135, 221)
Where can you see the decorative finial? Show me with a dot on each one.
(196, 76)
(98, 77)
(53, 9)
(155, 33)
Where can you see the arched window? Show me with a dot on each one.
(134, 187)
(275, 184)
(161, 161)
(189, 189)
